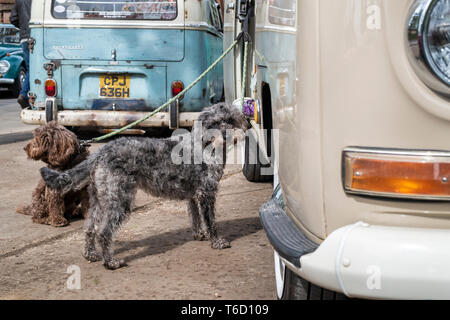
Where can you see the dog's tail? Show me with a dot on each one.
(71, 180)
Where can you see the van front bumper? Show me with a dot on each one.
(107, 119)
(6, 81)
(365, 261)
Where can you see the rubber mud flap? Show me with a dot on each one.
(284, 235)
(49, 111)
(174, 115)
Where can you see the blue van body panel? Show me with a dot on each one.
(146, 85)
(277, 64)
(171, 55)
(130, 44)
(284, 42)
(202, 49)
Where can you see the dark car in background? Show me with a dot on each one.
(12, 64)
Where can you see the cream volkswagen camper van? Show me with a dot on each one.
(357, 95)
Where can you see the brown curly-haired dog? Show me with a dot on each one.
(60, 149)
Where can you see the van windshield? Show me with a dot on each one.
(115, 9)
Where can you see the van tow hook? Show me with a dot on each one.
(31, 98)
(49, 67)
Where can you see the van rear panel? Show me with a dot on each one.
(112, 55)
(84, 87)
(123, 57)
(105, 44)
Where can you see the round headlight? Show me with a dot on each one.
(429, 43)
(4, 66)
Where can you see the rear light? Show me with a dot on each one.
(177, 87)
(397, 173)
(50, 87)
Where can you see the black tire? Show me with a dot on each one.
(75, 130)
(253, 165)
(222, 98)
(17, 85)
(296, 288)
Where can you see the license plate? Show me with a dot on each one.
(114, 86)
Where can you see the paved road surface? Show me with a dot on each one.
(10, 120)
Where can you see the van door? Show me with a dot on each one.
(96, 43)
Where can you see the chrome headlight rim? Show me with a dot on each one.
(418, 48)
(4, 66)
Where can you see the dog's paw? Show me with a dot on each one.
(59, 222)
(200, 236)
(92, 256)
(114, 264)
(220, 244)
(23, 209)
(40, 220)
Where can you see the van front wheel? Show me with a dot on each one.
(292, 287)
(18, 82)
(253, 167)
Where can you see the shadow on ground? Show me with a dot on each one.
(6, 94)
(161, 243)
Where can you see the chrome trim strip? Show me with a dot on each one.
(288, 30)
(397, 196)
(6, 81)
(194, 27)
(391, 152)
(398, 152)
(109, 26)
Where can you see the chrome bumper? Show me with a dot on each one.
(106, 119)
(6, 81)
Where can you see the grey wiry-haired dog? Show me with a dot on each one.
(116, 170)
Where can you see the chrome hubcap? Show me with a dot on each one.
(280, 269)
(22, 77)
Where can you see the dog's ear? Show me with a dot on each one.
(63, 144)
(37, 147)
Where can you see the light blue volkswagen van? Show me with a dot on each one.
(107, 63)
